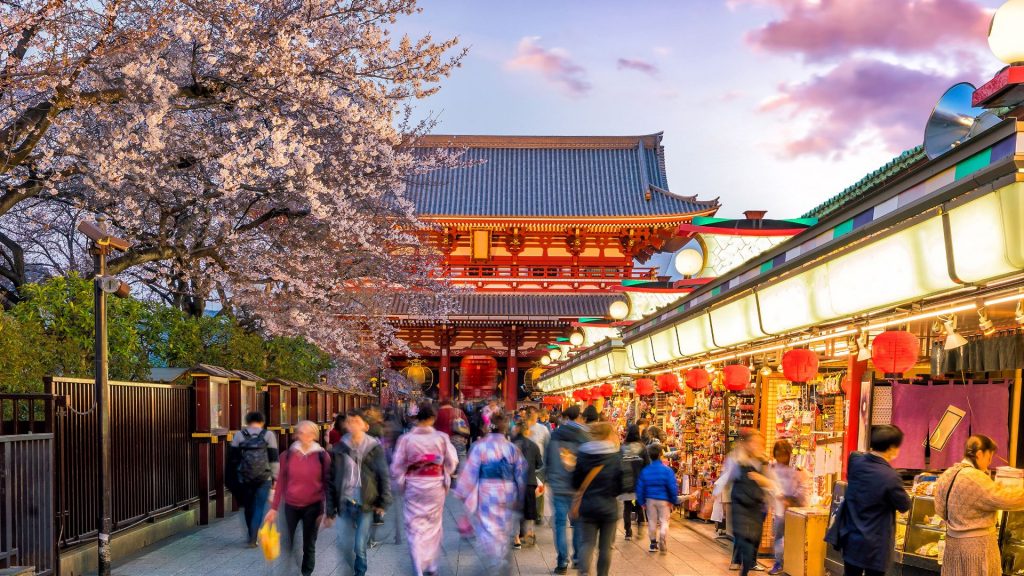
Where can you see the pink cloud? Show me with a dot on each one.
(825, 29)
(554, 65)
(638, 65)
(860, 97)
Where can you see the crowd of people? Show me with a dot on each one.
(579, 474)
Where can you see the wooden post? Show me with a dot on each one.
(204, 482)
(218, 473)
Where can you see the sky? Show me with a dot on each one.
(766, 104)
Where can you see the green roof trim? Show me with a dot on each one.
(708, 220)
(589, 319)
(843, 229)
(908, 159)
(766, 266)
(971, 165)
(637, 282)
(802, 221)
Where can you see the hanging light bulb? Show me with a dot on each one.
(710, 368)
(863, 352)
(953, 339)
(985, 324)
(766, 371)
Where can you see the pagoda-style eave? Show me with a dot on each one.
(560, 223)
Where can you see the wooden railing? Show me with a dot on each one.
(567, 273)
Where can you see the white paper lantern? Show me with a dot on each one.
(1006, 34)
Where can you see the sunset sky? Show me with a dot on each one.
(768, 104)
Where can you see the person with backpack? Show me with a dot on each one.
(253, 467)
(559, 462)
(360, 485)
(634, 460)
(302, 487)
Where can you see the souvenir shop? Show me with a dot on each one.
(904, 306)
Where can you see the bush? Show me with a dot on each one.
(51, 333)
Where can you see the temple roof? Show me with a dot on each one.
(552, 176)
(895, 167)
(525, 306)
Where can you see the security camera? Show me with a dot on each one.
(99, 236)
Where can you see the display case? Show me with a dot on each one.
(1011, 543)
(924, 536)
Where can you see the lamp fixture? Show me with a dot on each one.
(766, 371)
(576, 338)
(863, 352)
(1004, 36)
(555, 353)
(688, 262)
(985, 324)
(1003, 299)
(618, 310)
(545, 360)
(921, 316)
(1019, 313)
(710, 368)
(953, 339)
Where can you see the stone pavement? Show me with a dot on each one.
(217, 550)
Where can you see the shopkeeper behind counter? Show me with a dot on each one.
(967, 499)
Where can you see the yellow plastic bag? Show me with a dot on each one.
(270, 541)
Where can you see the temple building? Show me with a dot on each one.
(544, 232)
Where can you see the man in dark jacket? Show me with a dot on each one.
(874, 493)
(534, 462)
(359, 486)
(559, 461)
(598, 477)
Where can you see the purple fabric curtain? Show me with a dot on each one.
(917, 409)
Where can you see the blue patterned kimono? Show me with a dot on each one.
(492, 485)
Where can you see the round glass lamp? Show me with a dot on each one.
(1006, 33)
(545, 360)
(576, 338)
(555, 353)
(689, 262)
(618, 310)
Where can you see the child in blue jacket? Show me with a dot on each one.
(657, 492)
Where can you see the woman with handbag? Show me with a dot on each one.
(598, 480)
(967, 498)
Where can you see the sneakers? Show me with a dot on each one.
(654, 546)
(734, 567)
(629, 537)
(517, 545)
(561, 570)
(757, 568)
(662, 548)
(777, 569)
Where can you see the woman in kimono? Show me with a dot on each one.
(492, 485)
(422, 465)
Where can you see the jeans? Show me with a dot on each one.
(353, 535)
(628, 508)
(255, 508)
(601, 534)
(562, 504)
(851, 570)
(308, 516)
(778, 531)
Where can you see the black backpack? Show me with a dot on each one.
(253, 460)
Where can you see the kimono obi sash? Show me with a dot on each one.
(497, 470)
(427, 465)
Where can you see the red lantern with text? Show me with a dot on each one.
(607, 390)
(737, 377)
(645, 386)
(895, 351)
(478, 376)
(799, 365)
(697, 379)
(668, 382)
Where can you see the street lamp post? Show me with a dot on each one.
(102, 245)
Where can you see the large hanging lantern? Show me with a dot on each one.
(417, 373)
(697, 379)
(584, 394)
(895, 351)
(736, 377)
(478, 375)
(799, 365)
(607, 390)
(645, 386)
(668, 382)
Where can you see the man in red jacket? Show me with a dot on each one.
(302, 484)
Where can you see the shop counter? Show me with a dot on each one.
(804, 551)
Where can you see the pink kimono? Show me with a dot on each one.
(422, 466)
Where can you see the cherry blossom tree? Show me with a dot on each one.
(253, 151)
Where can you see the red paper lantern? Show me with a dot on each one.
(697, 379)
(895, 352)
(607, 390)
(845, 385)
(737, 377)
(584, 394)
(799, 365)
(478, 375)
(668, 382)
(645, 386)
